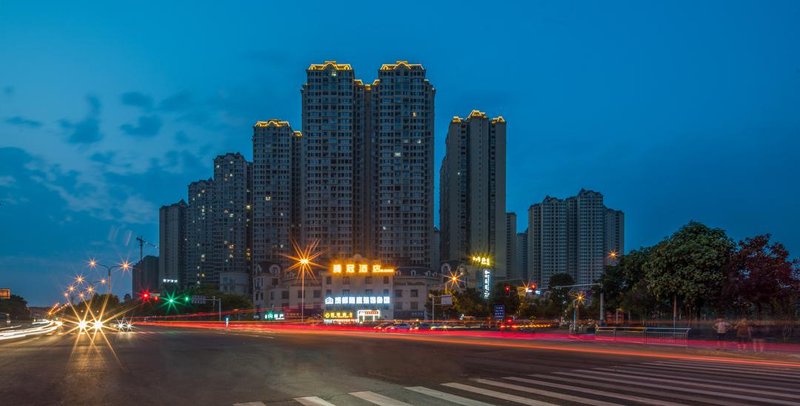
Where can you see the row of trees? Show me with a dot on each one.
(704, 273)
(699, 271)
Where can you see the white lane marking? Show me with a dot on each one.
(596, 392)
(313, 401)
(659, 373)
(731, 368)
(671, 395)
(447, 396)
(540, 392)
(606, 376)
(250, 404)
(498, 395)
(377, 399)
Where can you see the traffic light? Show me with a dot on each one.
(533, 286)
(145, 295)
(508, 290)
(186, 299)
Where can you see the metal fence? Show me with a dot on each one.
(645, 335)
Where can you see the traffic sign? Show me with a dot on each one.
(447, 300)
(5, 293)
(499, 312)
(198, 299)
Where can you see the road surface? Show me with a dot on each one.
(180, 366)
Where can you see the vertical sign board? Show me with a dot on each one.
(487, 283)
(447, 300)
(499, 312)
(5, 293)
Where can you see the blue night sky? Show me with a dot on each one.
(675, 111)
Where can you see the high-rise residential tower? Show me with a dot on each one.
(199, 224)
(522, 255)
(572, 236)
(473, 189)
(172, 257)
(231, 228)
(275, 191)
(368, 163)
(402, 114)
(513, 271)
(615, 235)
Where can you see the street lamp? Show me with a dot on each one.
(304, 258)
(123, 266)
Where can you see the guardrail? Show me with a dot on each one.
(645, 335)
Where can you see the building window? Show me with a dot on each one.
(398, 293)
(385, 279)
(398, 306)
(346, 280)
(414, 293)
(285, 294)
(299, 294)
(328, 280)
(368, 280)
(414, 305)
(317, 294)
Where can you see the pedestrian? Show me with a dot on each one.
(721, 327)
(743, 334)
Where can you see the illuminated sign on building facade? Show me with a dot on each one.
(339, 315)
(487, 283)
(356, 300)
(365, 269)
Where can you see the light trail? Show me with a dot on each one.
(16, 333)
(475, 338)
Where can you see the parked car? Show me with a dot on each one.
(382, 326)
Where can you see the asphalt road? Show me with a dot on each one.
(179, 366)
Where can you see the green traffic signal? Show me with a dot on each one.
(186, 299)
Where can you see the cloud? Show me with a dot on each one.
(147, 126)
(86, 131)
(7, 180)
(180, 101)
(137, 99)
(22, 121)
(136, 210)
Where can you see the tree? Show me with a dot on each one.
(760, 276)
(689, 266)
(469, 302)
(509, 300)
(559, 297)
(16, 307)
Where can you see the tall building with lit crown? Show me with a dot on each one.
(172, 244)
(275, 191)
(367, 163)
(199, 222)
(473, 191)
(329, 196)
(572, 236)
(231, 227)
(403, 129)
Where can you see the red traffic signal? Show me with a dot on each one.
(145, 295)
(507, 289)
(533, 286)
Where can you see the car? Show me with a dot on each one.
(398, 327)
(382, 326)
(421, 326)
(123, 325)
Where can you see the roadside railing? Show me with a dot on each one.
(645, 335)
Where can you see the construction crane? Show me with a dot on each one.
(142, 242)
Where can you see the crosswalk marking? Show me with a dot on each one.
(670, 395)
(447, 396)
(540, 392)
(313, 401)
(606, 376)
(498, 395)
(377, 399)
(655, 373)
(733, 368)
(712, 371)
(573, 388)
